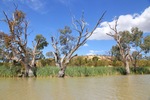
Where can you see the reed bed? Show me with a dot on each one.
(8, 71)
(49, 71)
(89, 71)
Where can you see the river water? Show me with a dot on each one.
(134, 87)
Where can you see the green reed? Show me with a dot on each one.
(74, 71)
(8, 71)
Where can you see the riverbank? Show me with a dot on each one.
(49, 71)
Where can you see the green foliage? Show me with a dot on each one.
(128, 40)
(84, 61)
(78, 71)
(115, 53)
(116, 63)
(44, 62)
(136, 37)
(89, 71)
(125, 38)
(146, 44)
(66, 40)
(41, 41)
(11, 71)
(65, 30)
(47, 71)
(143, 63)
(141, 70)
(136, 55)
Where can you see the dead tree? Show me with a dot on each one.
(70, 44)
(17, 39)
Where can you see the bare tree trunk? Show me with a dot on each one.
(29, 71)
(135, 65)
(33, 66)
(127, 67)
(27, 66)
(26, 73)
(61, 73)
(33, 61)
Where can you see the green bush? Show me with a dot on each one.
(141, 70)
(143, 63)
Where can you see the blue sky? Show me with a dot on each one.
(47, 16)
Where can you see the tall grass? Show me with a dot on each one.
(74, 71)
(9, 71)
(89, 71)
(47, 71)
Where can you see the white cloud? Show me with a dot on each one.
(125, 22)
(85, 45)
(94, 52)
(66, 2)
(36, 5)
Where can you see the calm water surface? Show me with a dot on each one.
(135, 87)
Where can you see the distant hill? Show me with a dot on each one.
(100, 57)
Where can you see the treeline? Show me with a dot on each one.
(78, 67)
(92, 62)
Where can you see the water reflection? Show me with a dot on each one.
(97, 88)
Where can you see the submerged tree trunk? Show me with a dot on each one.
(26, 73)
(29, 71)
(135, 66)
(127, 68)
(61, 72)
(33, 61)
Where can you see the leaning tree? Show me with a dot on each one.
(68, 43)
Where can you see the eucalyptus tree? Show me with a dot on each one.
(115, 54)
(123, 40)
(136, 44)
(39, 44)
(126, 41)
(16, 40)
(68, 43)
(146, 44)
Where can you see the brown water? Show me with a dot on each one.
(134, 87)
